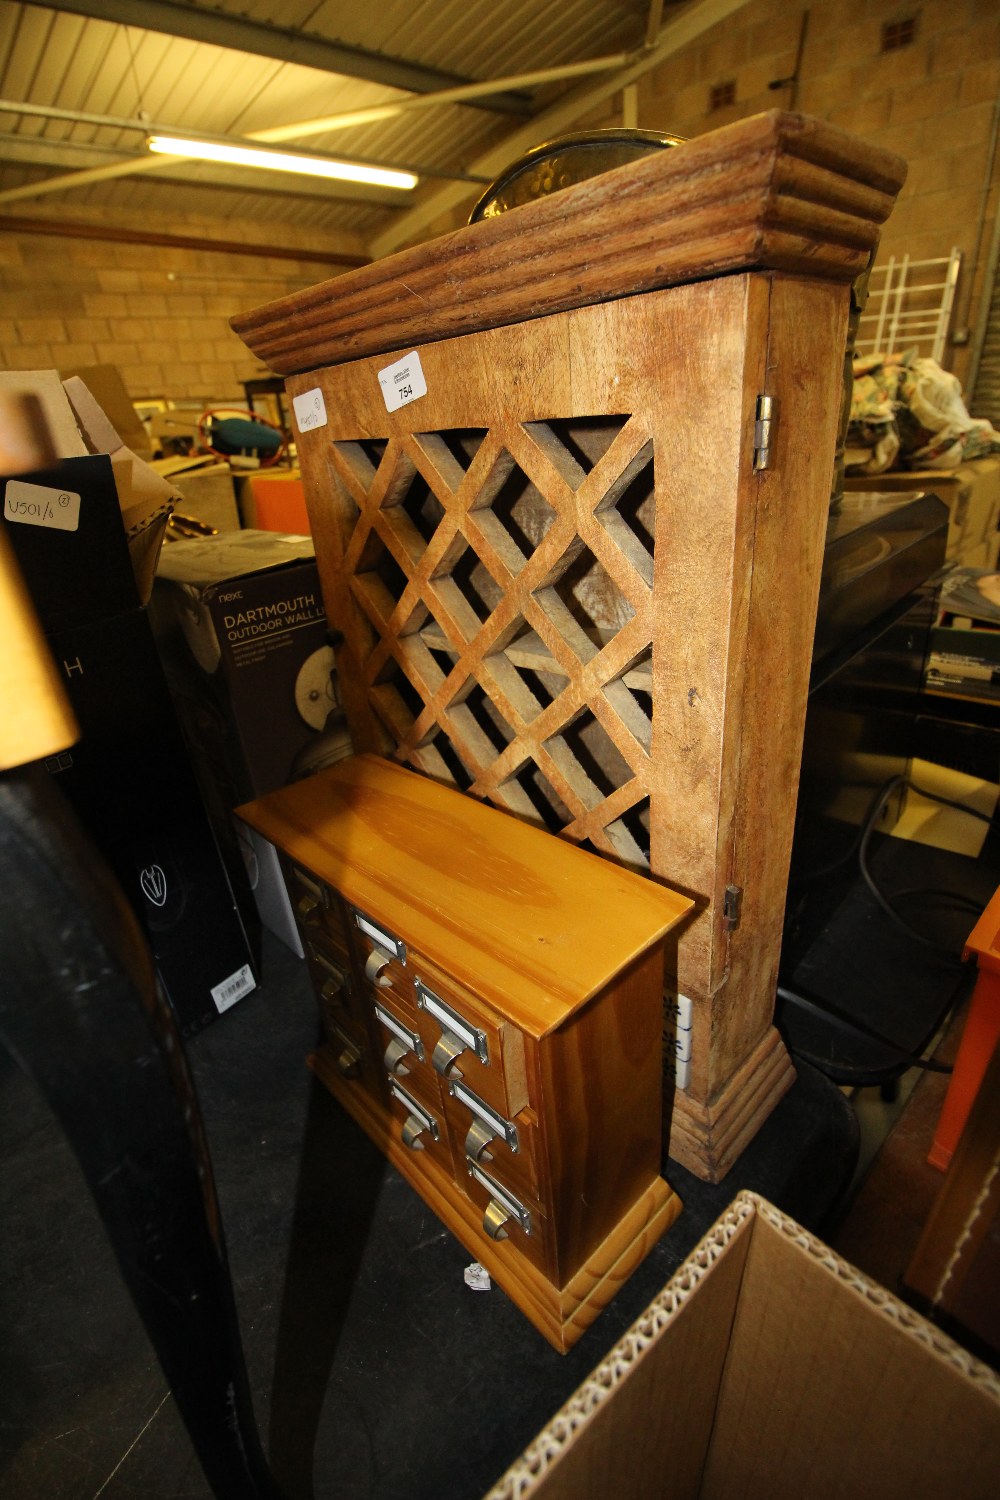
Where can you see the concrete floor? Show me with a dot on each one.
(376, 1373)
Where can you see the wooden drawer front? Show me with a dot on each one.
(381, 956)
(334, 984)
(318, 910)
(506, 1148)
(507, 1215)
(350, 1054)
(404, 1054)
(419, 1122)
(466, 1041)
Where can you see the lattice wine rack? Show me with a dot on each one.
(504, 582)
(577, 576)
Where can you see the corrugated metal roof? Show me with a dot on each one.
(109, 65)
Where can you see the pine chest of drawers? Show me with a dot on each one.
(490, 999)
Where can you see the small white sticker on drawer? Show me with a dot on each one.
(402, 382)
(309, 409)
(38, 505)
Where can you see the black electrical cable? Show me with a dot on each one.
(842, 859)
(955, 898)
(951, 802)
(843, 1022)
(828, 1011)
(883, 901)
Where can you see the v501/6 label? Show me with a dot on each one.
(37, 505)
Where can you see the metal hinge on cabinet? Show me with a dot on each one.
(763, 433)
(731, 903)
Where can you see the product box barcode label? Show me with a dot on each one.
(234, 988)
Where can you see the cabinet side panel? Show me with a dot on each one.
(601, 1114)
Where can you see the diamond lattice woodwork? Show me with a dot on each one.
(504, 580)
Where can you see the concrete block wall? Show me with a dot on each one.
(934, 101)
(161, 314)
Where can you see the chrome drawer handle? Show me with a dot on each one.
(349, 1061)
(413, 1129)
(377, 961)
(494, 1219)
(502, 1207)
(393, 1059)
(403, 1041)
(337, 986)
(477, 1141)
(487, 1124)
(457, 1034)
(349, 1056)
(312, 898)
(448, 1049)
(379, 937)
(418, 1121)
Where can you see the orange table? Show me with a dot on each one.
(274, 501)
(980, 1037)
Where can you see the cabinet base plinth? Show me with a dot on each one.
(561, 1313)
(707, 1137)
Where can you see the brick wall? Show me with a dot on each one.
(933, 101)
(161, 314)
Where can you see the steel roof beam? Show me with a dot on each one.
(411, 225)
(285, 44)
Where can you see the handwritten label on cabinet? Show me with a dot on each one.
(38, 505)
(309, 409)
(402, 382)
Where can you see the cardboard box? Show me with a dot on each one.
(108, 391)
(128, 779)
(242, 632)
(768, 1367)
(207, 492)
(145, 499)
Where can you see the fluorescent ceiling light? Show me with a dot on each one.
(282, 161)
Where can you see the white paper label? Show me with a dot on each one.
(309, 409)
(402, 382)
(37, 505)
(232, 989)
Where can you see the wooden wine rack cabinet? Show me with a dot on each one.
(578, 575)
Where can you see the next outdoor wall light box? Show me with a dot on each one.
(242, 633)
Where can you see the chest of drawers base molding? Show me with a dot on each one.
(496, 1038)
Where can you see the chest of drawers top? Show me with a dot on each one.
(532, 924)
